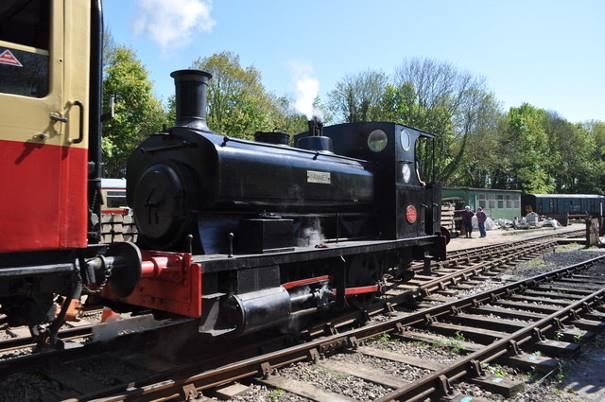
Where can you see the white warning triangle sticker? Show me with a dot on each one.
(7, 57)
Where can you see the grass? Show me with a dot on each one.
(453, 344)
(275, 394)
(537, 262)
(456, 343)
(496, 369)
(568, 247)
(515, 232)
(383, 338)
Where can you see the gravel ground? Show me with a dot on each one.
(580, 379)
(416, 349)
(16, 353)
(563, 256)
(476, 392)
(261, 393)
(484, 286)
(27, 387)
(107, 370)
(342, 384)
(558, 389)
(397, 369)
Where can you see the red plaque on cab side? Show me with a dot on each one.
(410, 214)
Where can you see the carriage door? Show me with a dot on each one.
(42, 152)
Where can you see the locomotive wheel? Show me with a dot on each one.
(363, 271)
(446, 233)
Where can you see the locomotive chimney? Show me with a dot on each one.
(191, 98)
(315, 127)
(315, 140)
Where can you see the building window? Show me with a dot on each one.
(492, 201)
(481, 201)
(500, 199)
(509, 201)
(24, 47)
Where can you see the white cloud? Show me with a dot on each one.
(170, 23)
(307, 87)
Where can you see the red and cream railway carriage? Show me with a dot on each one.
(50, 80)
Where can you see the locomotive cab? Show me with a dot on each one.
(393, 150)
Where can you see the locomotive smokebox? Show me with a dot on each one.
(191, 98)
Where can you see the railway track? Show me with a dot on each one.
(468, 266)
(528, 324)
(465, 266)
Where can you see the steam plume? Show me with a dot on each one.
(307, 88)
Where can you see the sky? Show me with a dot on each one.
(547, 53)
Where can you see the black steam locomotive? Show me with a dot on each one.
(253, 234)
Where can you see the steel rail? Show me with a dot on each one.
(524, 240)
(155, 388)
(439, 283)
(421, 290)
(423, 388)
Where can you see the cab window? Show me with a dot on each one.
(24, 47)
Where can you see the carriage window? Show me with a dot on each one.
(24, 47)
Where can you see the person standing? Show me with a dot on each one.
(467, 221)
(481, 218)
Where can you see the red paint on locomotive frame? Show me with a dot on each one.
(306, 281)
(170, 282)
(43, 197)
(361, 290)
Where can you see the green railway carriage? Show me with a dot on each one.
(498, 204)
(564, 206)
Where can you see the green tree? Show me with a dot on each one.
(447, 102)
(572, 150)
(527, 143)
(597, 132)
(286, 118)
(357, 97)
(238, 103)
(482, 160)
(425, 94)
(596, 129)
(137, 112)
